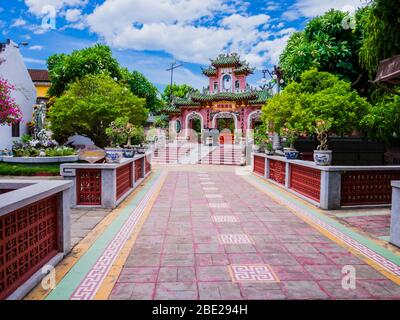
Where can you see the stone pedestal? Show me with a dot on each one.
(395, 217)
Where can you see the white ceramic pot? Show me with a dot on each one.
(323, 157)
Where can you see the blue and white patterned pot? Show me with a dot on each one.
(129, 153)
(323, 157)
(113, 157)
(291, 154)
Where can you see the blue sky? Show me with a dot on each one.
(147, 35)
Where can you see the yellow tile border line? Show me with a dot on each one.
(62, 269)
(262, 185)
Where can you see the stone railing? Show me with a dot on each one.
(395, 216)
(329, 187)
(34, 232)
(105, 185)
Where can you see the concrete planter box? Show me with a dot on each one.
(35, 220)
(40, 159)
(395, 216)
(105, 185)
(329, 187)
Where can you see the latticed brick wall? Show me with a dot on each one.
(28, 240)
(88, 187)
(277, 171)
(306, 181)
(259, 165)
(367, 187)
(124, 179)
(138, 169)
(148, 165)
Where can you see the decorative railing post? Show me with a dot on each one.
(330, 190)
(395, 216)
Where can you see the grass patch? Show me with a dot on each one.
(22, 169)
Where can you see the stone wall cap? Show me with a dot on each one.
(109, 166)
(311, 164)
(396, 184)
(28, 191)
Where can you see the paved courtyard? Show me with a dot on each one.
(216, 233)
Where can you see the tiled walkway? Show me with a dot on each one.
(213, 235)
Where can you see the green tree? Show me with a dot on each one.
(90, 105)
(381, 34)
(143, 88)
(66, 68)
(178, 91)
(317, 96)
(383, 118)
(327, 45)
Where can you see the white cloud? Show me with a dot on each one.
(73, 15)
(36, 6)
(18, 23)
(272, 49)
(36, 48)
(312, 8)
(190, 30)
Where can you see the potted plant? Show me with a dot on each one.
(289, 136)
(322, 156)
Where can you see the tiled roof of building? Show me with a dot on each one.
(252, 98)
(230, 96)
(39, 75)
(228, 60)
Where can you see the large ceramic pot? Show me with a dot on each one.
(291, 154)
(323, 157)
(113, 157)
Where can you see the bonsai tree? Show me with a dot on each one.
(117, 133)
(122, 132)
(10, 112)
(322, 128)
(289, 134)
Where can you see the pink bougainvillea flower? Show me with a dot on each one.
(10, 112)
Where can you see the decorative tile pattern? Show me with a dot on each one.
(88, 287)
(234, 239)
(225, 219)
(252, 273)
(354, 244)
(218, 205)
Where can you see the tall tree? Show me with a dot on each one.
(178, 91)
(317, 96)
(381, 35)
(143, 88)
(89, 106)
(66, 68)
(328, 44)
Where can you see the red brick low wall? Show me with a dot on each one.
(28, 240)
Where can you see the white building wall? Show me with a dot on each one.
(13, 69)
